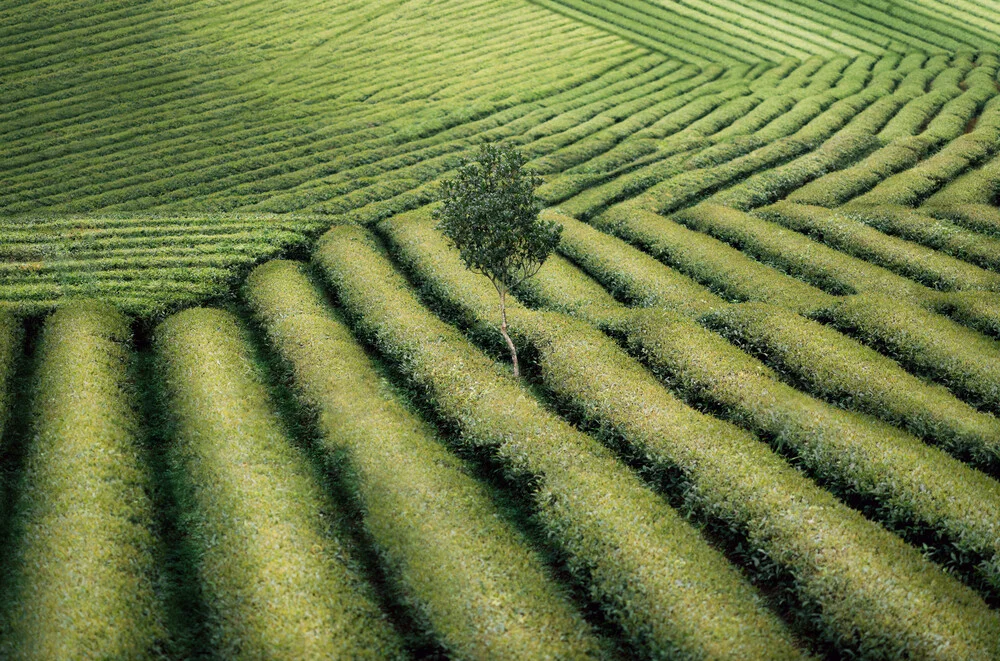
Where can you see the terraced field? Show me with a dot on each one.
(252, 405)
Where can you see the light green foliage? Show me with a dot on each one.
(838, 187)
(978, 310)
(707, 260)
(841, 150)
(628, 273)
(847, 373)
(274, 577)
(732, 475)
(834, 159)
(465, 574)
(860, 233)
(145, 265)
(798, 255)
(939, 234)
(962, 359)
(726, 30)
(673, 595)
(82, 573)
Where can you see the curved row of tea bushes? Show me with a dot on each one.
(843, 149)
(842, 371)
(687, 40)
(581, 143)
(903, 150)
(981, 218)
(918, 112)
(535, 126)
(801, 421)
(963, 360)
(790, 27)
(811, 122)
(274, 579)
(82, 557)
(727, 474)
(325, 170)
(979, 186)
(602, 155)
(937, 233)
(912, 186)
(720, 267)
(682, 189)
(595, 199)
(644, 282)
(465, 574)
(145, 266)
(796, 254)
(976, 309)
(838, 187)
(302, 163)
(104, 148)
(860, 234)
(672, 594)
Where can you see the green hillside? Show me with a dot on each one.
(253, 406)
(726, 31)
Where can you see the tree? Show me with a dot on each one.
(490, 214)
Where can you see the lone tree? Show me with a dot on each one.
(491, 215)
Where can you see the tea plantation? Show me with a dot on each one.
(252, 405)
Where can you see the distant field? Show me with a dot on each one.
(760, 417)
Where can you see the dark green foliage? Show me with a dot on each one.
(489, 212)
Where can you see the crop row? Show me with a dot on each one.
(145, 266)
(639, 557)
(82, 565)
(777, 28)
(590, 375)
(273, 578)
(812, 357)
(860, 233)
(460, 568)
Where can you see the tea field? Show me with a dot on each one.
(253, 406)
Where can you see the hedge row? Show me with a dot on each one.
(976, 309)
(634, 110)
(672, 594)
(916, 184)
(593, 200)
(675, 108)
(911, 487)
(860, 233)
(956, 115)
(465, 574)
(843, 149)
(795, 254)
(979, 186)
(844, 372)
(627, 273)
(916, 114)
(722, 268)
(982, 218)
(937, 233)
(838, 187)
(106, 150)
(726, 474)
(275, 581)
(965, 361)
(82, 561)
(561, 286)
(685, 188)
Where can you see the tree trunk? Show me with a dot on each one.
(503, 331)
